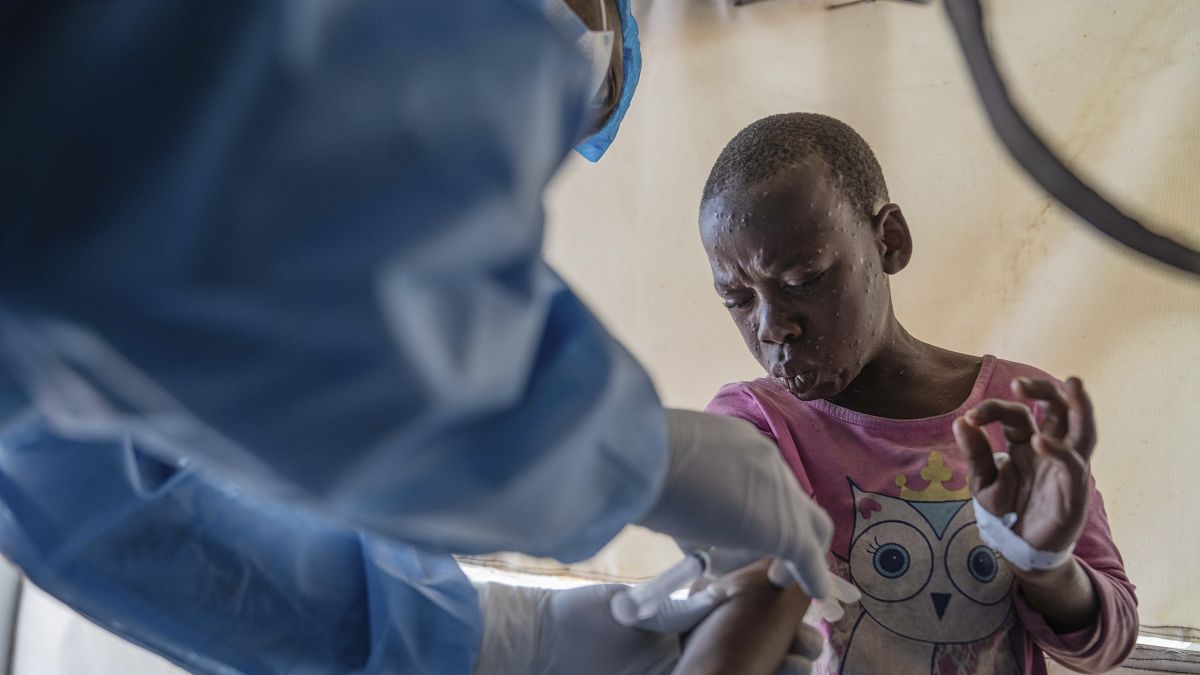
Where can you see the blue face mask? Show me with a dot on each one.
(598, 49)
(594, 147)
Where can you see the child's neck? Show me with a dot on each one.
(910, 379)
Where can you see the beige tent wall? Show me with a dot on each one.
(998, 267)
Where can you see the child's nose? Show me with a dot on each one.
(776, 326)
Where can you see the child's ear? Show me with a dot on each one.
(892, 238)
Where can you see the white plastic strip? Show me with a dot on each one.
(997, 533)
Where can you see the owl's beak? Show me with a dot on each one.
(940, 601)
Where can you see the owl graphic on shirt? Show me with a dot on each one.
(935, 598)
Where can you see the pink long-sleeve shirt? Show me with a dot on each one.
(935, 599)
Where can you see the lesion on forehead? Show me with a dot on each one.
(801, 201)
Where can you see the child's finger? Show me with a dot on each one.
(808, 643)
(975, 445)
(1082, 422)
(795, 665)
(1016, 418)
(1051, 447)
(1051, 399)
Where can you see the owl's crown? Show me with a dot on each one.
(935, 473)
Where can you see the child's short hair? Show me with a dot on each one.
(776, 142)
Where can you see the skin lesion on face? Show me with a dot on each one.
(802, 276)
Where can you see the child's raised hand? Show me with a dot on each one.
(1045, 479)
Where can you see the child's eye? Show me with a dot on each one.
(737, 303)
(806, 284)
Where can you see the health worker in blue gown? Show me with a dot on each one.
(276, 338)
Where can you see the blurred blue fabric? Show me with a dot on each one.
(275, 331)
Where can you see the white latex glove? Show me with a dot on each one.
(727, 486)
(538, 631)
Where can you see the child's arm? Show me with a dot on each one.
(1084, 613)
(1064, 597)
(750, 633)
(1105, 642)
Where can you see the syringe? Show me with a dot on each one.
(641, 602)
(783, 573)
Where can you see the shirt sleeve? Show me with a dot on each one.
(270, 588)
(1108, 643)
(735, 400)
(739, 400)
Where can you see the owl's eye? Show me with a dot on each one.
(974, 569)
(982, 563)
(891, 560)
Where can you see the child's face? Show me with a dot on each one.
(802, 276)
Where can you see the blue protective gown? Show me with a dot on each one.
(275, 333)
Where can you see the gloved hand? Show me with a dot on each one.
(538, 631)
(727, 486)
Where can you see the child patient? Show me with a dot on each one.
(893, 436)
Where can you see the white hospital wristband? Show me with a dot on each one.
(997, 533)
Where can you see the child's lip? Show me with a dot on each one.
(803, 390)
(792, 370)
(798, 383)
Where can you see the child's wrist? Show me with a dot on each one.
(1047, 578)
(1068, 580)
(1064, 596)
